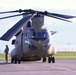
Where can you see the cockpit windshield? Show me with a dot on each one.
(40, 34)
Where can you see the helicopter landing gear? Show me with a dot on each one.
(12, 60)
(15, 60)
(51, 59)
(19, 60)
(44, 59)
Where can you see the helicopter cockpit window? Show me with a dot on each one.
(36, 34)
(45, 34)
(40, 34)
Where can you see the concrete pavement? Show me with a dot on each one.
(61, 67)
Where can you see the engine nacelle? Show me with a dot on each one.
(52, 50)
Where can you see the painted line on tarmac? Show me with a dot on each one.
(66, 69)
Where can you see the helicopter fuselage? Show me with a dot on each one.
(34, 41)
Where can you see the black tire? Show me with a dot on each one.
(53, 60)
(49, 59)
(12, 60)
(15, 60)
(44, 59)
(19, 61)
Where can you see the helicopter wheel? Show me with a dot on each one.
(12, 59)
(19, 60)
(15, 61)
(51, 59)
(44, 59)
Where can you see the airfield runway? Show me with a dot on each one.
(61, 67)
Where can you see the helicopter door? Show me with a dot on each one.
(27, 37)
(21, 51)
(22, 41)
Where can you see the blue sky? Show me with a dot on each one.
(65, 31)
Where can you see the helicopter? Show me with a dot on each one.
(33, 41)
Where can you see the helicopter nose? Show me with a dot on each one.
(46, 47)
(39, 39)
(39, 43)
(32, 47)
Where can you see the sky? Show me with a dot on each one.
(65, 31)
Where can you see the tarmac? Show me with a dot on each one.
(60, 67)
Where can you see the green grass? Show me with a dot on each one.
(59, 55)
(2, 57)
(62, 55)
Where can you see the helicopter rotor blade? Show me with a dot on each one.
(12, 31)
(59, 18)
(63, 16)
(20, 10)
(11, 11)
(14, 15)
(53, 15)
(53, 32)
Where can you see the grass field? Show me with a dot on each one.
(59, 55)
(66, 55)
(2, 57)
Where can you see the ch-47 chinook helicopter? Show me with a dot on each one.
(33, 41)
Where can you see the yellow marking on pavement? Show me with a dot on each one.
(61, 68)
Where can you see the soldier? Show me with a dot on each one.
(6, 53)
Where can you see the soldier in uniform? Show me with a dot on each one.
(6, 53)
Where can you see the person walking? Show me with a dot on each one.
(6, 53)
